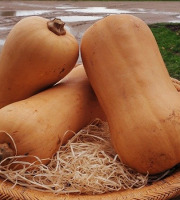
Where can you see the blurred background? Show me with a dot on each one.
(163, 17)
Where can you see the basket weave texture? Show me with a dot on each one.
(165, 189)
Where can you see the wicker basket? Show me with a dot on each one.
(165, 189)
(161, 190)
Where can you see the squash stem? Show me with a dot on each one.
(56, 26)
(5, 151)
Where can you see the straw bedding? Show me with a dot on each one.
(87, 164)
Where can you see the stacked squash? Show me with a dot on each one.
(37, 54)
(127, 74)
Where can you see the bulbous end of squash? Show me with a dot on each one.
(56, 26)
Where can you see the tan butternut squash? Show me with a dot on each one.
(37, 53)
(38, 124)
(133, 86)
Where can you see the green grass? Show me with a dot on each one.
(168, 39)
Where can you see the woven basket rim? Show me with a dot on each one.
(162, 190)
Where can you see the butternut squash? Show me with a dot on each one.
(132, 84)
(37, 53)
(37, 125)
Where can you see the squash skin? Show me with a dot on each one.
(34, 58)
(38, 124)
(140, 102)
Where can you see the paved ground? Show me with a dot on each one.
(79, 15)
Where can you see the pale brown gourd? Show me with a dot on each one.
(129, 77)
(38, 124)
(37, 53)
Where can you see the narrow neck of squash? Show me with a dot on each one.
(56, 26)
